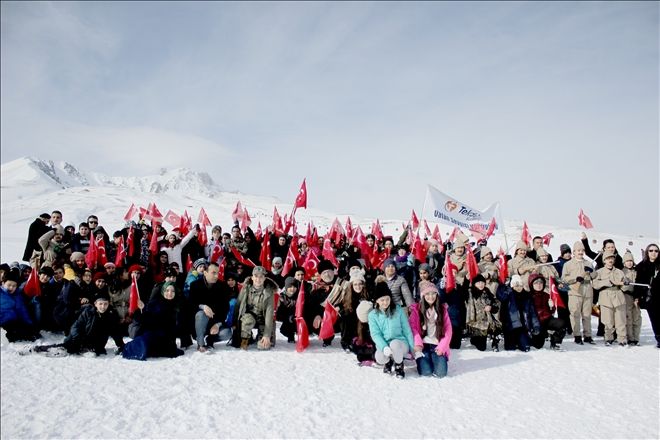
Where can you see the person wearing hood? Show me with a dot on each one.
(390, 330)
(286, 309)
(488, 269)
(545, 308)
(158, 328)
(482, 318)
(276, 272)
(14, 315)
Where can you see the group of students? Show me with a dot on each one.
(402, 308)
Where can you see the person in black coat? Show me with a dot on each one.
(210, 303)
(37, 228)
(67, 303)
(93, 327)
(648, 272)
(156, 336)
(519, 318)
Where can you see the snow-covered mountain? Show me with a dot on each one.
(31, 186)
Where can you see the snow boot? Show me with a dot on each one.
(589, 340)
(578, 340)
(387, 369)
(398, 370)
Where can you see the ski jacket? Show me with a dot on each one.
(418, 333)
(12, 308)
(384, 329)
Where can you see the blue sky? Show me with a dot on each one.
(546, 107)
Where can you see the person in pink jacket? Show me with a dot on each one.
(431, 328)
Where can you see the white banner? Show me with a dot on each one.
(442, 208)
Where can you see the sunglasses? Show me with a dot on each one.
(93, 221)
(654, 251)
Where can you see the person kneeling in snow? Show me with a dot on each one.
(389, 329)
(254, 308)
(158, 328)
(14, 316)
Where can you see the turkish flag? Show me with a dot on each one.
(301, 199)
(203, 219)
(349, 227)
(293, 247)
(153, 244)
(436, 234)
(216, 253)
(491, 228)
(145, 213)
(237, 213)
(472, 267)
(241, 259)
(131, 241)
(547, 237)
(155, 214)
(92, 254)
(172, 218)
(264, 256)
(221, 269)
(131, 212)
(202, 237)
(32, 286)
(303, 335)
(258, 233)
(378, 258)
(526, 236)
(290, 261)
(418, 250)
(360, 241)
(478, 231)
(450, 276)
(330, 315)
(584, 221)
(377, 231)
(134, 297)
(101, 258)
(329, 253)
(455, 231)
(246, 222)
(415, 220)
(278, 227)
(554, 294)
(310, 265)
(427, 230)
(503, 267)
(121, 252)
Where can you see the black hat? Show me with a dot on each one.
(478, 278)
(12, 275)
(564, 248)
(325, 265)
(380, 290)
(102, 295)
(45, 215)
(47, 270)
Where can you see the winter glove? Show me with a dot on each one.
(579, 280)
(588, 269)
(551, 303)
(419, 354)
(387, 351)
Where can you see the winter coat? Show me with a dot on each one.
(315, 300)
(51, 248)
(520, 263)
(419, 333)
(119, 300)
(618, 261)
(574, 269)
(519, 308)
(648, 273)
(37, 229)
(157, 334)
(174, 252)
(543, 310)
(12, 308)
(455, 301)
(630, 275)
(401, 294)
(478, 321)
(92, 330)
(67, 304)
(459, 263)
(80, 243)
(214, 296)
(610, 295)
(547, 272)
(384, 329)
(267, 304)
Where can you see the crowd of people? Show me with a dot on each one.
(166, 292)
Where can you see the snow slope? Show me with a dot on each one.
(584, 392)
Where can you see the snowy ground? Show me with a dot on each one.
(584, 392)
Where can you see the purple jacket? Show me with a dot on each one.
(418, 336)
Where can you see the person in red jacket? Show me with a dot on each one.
(554, 327)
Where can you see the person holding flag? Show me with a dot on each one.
(577, 275)
(519, 319)
(255, 310)
(545, 309)
(521, 264)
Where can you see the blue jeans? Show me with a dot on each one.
(431, 363)
(202, 327)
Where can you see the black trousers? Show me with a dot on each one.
(554, 327)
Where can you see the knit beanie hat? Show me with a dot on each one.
(381, 290)
(516, 279)
(521, 245)
(102, 296)
(427, 287)
(478, 278)
(357, 276)
(628, 256)
(389, 262)
(198, 262)
(485, 250)
(425, 267)
(290, 281)
(460, 240)
(77, 256)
